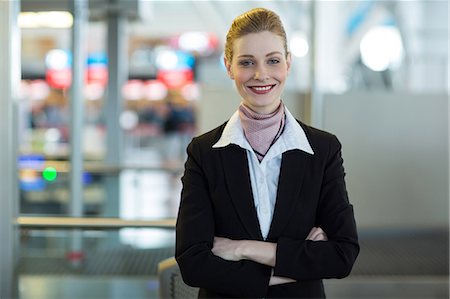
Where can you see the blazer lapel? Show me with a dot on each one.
(234, 160)
(293, 166)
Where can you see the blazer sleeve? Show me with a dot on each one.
(194, 239)
(304, 259)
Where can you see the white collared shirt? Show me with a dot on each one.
(264, 175)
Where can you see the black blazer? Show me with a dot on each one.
(217, 200)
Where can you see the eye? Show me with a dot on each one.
(246, 63)
(273, 61)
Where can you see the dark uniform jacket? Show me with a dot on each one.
(217, 200)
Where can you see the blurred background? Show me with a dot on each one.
(99, 100)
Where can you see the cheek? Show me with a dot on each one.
(281, 74)
(243, 76)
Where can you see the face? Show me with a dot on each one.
(259, 68)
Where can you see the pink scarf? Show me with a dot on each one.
(262, 130)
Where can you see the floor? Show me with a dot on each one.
(354, 287)
(391, 265)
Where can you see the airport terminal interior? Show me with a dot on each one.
(107, 94)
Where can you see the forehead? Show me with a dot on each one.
(259, 43)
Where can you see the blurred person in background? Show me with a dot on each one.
(264, 209)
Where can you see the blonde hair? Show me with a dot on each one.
(254, 21)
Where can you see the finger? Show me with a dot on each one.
(311, 233)
(317, 234)
(321, 237)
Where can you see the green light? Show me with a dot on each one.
(49, 174)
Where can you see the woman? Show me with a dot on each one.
(264, 209)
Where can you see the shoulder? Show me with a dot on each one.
(208, 139)
(320, 140)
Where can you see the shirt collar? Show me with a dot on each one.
(293, 137)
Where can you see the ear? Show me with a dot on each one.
(288, 61)
(229, 70)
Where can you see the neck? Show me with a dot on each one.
(263, 110)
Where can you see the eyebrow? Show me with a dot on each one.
(268, 54)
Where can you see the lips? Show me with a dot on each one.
(262, 89)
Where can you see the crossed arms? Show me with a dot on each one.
(258, 251)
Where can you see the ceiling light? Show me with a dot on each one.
(299, 45)
(45, 19)
(382, 48)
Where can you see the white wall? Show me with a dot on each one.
(396, 155)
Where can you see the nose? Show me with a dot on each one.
(261, 74)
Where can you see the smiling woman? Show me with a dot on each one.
(264, 210)
(259, 67)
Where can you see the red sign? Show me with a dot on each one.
(97, 74)
(174, 79)
(59, 79)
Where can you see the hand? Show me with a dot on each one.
(274, 280)
(226, 249)
(317, 234)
